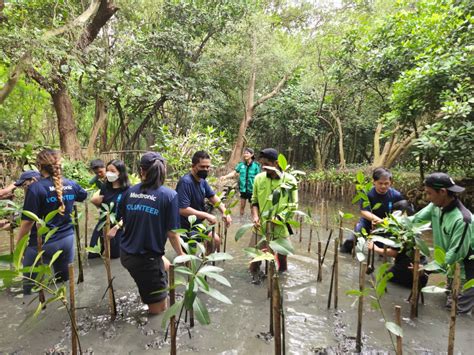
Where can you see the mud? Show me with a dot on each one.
(240, 328)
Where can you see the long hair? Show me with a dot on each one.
(123, 175)
(49, 160)
(153, 175)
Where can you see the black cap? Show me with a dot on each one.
(149, 158)
(27, 175)
(442, 181)
(97, 163)
(269, 153)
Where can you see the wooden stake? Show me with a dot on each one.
(320, 277)
(341, 235)
(86, 222)
(454, 307)
(172, 319)
(330, 287)
(276, 303)
(271, 273)
(398, 320)
(322, 213)
(301, 228)
(310, 238)
(72, 309)
(225, 237)
(385, 259)
(327, 214)
(336, 272)
(41, 296)
(362, 272)
(112, 305)
(80, 276)
(415, 290)
(12, 234)
(326, 247)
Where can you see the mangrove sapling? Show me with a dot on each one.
(39, 275)
(75, 221)
(415, 290)
(376, 292)
(11, 211)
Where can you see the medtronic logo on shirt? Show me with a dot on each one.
(143, 208)
(145, 196)
(52, 188)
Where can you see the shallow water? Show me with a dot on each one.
(239, 328)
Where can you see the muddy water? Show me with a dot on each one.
(239, 328)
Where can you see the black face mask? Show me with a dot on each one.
(269, 175)
(202, 174)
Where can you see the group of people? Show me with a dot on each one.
(148, 214)
(451, 224)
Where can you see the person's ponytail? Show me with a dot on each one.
(155, 175)
(49, 160)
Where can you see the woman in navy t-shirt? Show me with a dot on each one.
(111, 192)
(50, 193)
(149, 214)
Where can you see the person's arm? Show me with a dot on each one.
(189, 211)
(7, 192)
(370, 217)
(25, 228)
(423, 214)
(232, 174)
(460, 242)
(97, 198)
(390, 252)
(174, 241)
(215, 200)
(255, 208)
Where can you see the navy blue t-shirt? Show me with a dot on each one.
(192, 194)
(387, 200)
(114, 196)
(41, 199)
(148, 216)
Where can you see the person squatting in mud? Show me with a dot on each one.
(270, 179)
(193, 190)
(149, 213)
(51, 192)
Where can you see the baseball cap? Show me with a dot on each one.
(149, 158)
(269, 153)
(442, 181)
(97, 163)
(27, 175)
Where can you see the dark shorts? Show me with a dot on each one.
(149, 274)
(246, 196)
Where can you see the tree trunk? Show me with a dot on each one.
(342, 159)
(100, 120)
(66, 125)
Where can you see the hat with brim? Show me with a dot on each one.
(149, 158)
(442, 181)
(27, 175)
(269, 153)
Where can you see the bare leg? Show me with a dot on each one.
(242, 206)
(166, 263)
(157, 308)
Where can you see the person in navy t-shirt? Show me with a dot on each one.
(193, 189)
(149, 214)
(50, 193)
(382, 193)
(111, 192)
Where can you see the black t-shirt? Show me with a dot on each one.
(148, 216)
(41, 199)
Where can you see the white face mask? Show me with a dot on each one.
(111, 177)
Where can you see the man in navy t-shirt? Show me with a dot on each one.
(193, 190)
(382, 193)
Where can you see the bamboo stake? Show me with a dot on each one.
(310, 238)
(354, 244)
(415, 290)
(454, 306)
(322, 213)
(270, 270)
(327, 214)
(320, 277)
(72, 306)
(225, 237)
(301, 228)
(173, 318)
(276, 303)
(385, 259)
(336, 272)
(362, 272)
(330, 287)
(41, 296)
(326, 247)
(112, 305)
(12, 234)
(86, 222)
(80, 276)
(341, 236)
(398, 320)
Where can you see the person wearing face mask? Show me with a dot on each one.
(26, 179)
(193, 190)
(270, 179)
(247, 170)
(382, 194)
(111, 192)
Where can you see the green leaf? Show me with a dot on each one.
(439, 255)
(433, 289)
(242, 230)
(50, 234)
(219, 278)
(347, 216)
(376, 206)
(6, 258)
(359, 196)
(202, 283)
(394, 328)
(276, 197)
(32, 216)
(170, 312)
(42, 230)
(55, 257)
(282, 162)
(183, 270)
(19, 251)
(50, 215)
(217, 295)
(468, 285)
(201, 313)
(180, 231)
(184, 258)
(210, 268)
(38, 310)
(282, 246)
(433, 266)
(421, 244)
(360, 177)
(192, 219)
(264, 256)
(189, 295)
(219, 256)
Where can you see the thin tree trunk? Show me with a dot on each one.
(100, 120)
(342, 159)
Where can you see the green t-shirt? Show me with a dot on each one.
(247, 174)
(262, 196)
(450, 231)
